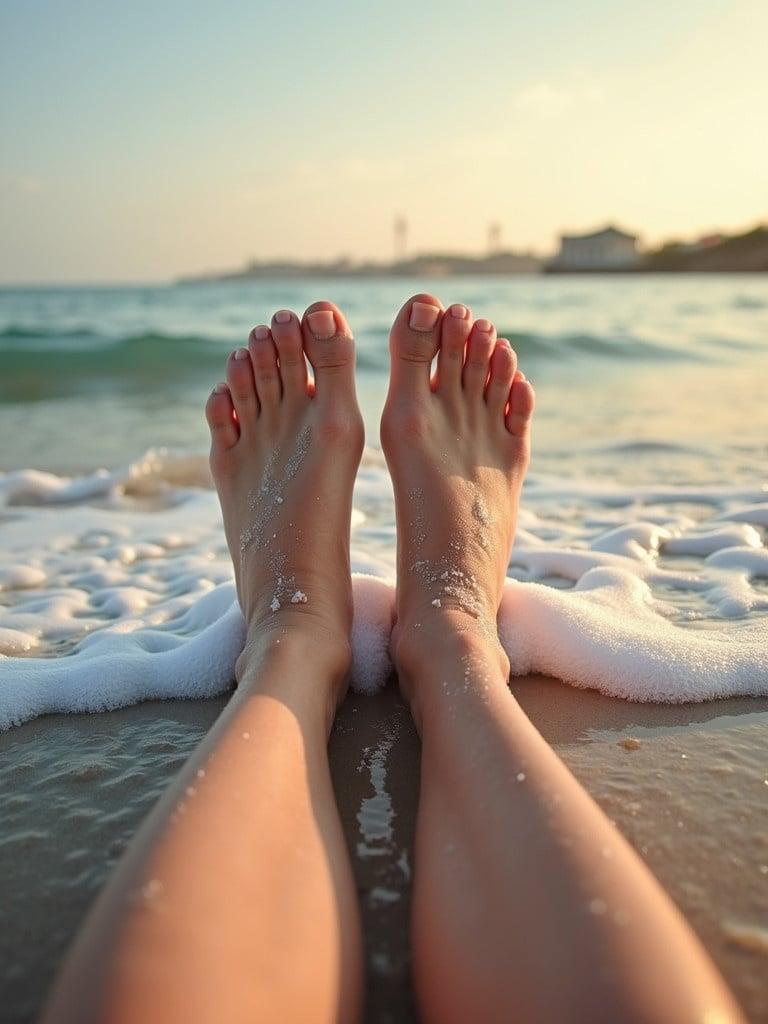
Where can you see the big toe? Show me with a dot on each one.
(414, 341)
(330, 349)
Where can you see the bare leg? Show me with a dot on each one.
(238, 903)
(528, 904)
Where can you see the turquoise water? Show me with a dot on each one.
(647, 379)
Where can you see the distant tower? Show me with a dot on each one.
(494, 238)
(401, 238)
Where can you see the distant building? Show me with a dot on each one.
(609, 249)
(709, 241)
(400, 228)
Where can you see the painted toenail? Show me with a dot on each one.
(283, 316)
(459, 311)
(484, 325)
(423, 316)
(241, 353)
(322, 323)
(220, 389)
(261, 333)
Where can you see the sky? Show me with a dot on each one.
(146, 140)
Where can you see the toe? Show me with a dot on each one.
(479, 348)
(521, 402)
(265, 371)
(456, 325)
(242, 388)
(414, 341)
(503, 367)
(286, 334)
(330, 348)
(220, 414)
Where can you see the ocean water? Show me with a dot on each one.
(640, 567)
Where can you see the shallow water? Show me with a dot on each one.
(640, 559)
(639, 378)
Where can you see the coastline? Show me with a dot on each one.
(688, 792)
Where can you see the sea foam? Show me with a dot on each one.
(116, 587)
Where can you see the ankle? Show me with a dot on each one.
(301, 647)
(297, 635)
(445, 636)
(439, 648)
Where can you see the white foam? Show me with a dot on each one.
(117, 587)
(609, 634)
(374, 604)
(713, 540)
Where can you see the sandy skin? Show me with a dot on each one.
(284, 454)
(459, 443)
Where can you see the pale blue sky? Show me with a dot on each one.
(150, 139)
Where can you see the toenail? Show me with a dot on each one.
(484, 325)
(459, 311)
(261, 333)
(241, 353)
(220, 389)
(322, 323)
(283, 316)
(423, 316)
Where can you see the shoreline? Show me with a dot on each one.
(689, 793)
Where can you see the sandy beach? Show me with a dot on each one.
(686, 785)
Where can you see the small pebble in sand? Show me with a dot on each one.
(191, 791)
(437, 603)
(201, 773)
(275, 604)
(630, 743)
(279, 500)
(521, 776)
(246, 735)
(299, 598)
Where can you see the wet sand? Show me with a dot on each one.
(687, 785)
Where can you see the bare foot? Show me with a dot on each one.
(458, 448)
(284, 454)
